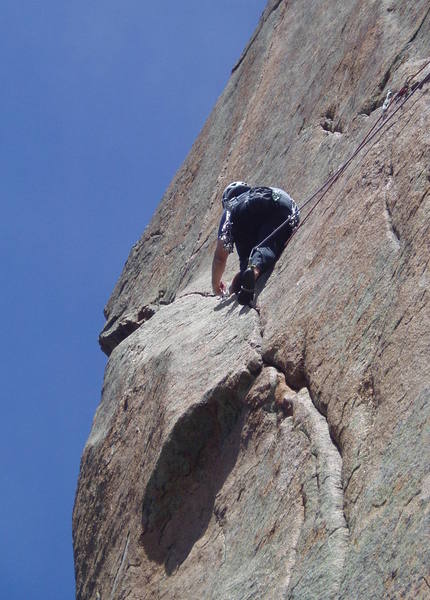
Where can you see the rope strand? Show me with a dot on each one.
(385, 117)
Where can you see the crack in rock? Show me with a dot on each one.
(260, 25)
(120, 567)
(419, 28)
(392, 229)
(325, 531)
(202, 294)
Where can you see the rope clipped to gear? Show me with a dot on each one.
(292, 221)
(387, 101)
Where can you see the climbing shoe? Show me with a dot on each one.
(247, 287)
(236, 283)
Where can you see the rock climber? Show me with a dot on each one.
(250, 215)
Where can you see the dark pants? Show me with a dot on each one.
(253, 221)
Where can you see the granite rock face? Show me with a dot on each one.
(281, 452)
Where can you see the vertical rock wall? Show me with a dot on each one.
(195, 482)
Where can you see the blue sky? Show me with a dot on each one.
(100, 104)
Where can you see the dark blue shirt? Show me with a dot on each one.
(254, 219)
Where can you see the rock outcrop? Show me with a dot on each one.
(281, 452)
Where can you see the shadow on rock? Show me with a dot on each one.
(194, 463)
(232, 299)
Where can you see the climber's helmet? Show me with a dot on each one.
(235, 188)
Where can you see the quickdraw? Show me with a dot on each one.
(387, 101)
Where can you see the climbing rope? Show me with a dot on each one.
(401, 97)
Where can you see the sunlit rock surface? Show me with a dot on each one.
(281, 452)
